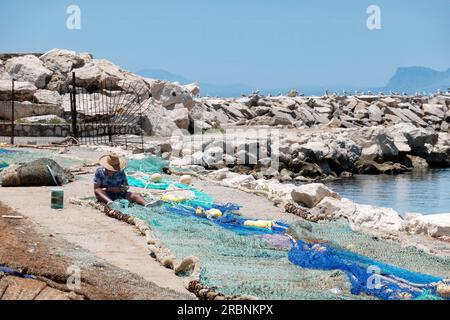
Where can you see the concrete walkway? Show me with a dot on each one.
(116, 242)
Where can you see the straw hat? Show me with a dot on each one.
(113, 162)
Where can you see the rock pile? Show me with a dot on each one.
(335, 136)
(333, 111)
(42, 86)
(310, 154)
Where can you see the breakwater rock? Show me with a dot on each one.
(317, 154)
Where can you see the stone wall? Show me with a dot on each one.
(28, 109)
(36, 130)
(62, 130)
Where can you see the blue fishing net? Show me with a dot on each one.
(15, 273)
(4, 151)
(335, 262)
(391, 282)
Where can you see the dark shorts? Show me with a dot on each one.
(118, 196)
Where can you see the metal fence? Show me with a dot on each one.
(101, 114)
(106, 112)
(7, 116)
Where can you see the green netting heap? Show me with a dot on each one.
(257, 264)
(13, 156)
(339, 234)
(241, 264)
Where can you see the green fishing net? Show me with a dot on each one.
(16, 156)
(257, 263)
(238, 261)
(241, 264)
(339, 234)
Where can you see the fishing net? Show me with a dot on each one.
(272, 260)
(239, 260)
(11, 156)
(368, 275)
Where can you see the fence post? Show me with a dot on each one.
(12, 111)
(73, 108)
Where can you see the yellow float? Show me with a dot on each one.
(214, 213)
(173, 199)
(199, 211)
(267, 224)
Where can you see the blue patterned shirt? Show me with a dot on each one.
(103, 180)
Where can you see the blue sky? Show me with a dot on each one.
(260, 43)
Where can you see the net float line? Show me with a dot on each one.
(189, 265)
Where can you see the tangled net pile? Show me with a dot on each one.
(14, 156)
(262, 259)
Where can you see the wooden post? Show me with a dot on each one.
(74, 108)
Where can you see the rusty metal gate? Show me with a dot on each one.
(102, 114)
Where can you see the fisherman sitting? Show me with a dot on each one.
(111, 183)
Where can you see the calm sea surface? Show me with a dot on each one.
(425, 192)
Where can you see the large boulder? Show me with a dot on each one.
(311, 194)
(159, 121)
(361, 217)
(375, 113)
(364, 166)
(238, 181)
(193, 88)
(273, 187)
(314, 150)
(28, 109)
(376, 144)
(281, 118)
(5, 76)
(434, 225)
(62, 61)
(23, 91)
(110, 73)
(174, 94)
(436, 110)
(367, 217)
(29, 68)
(343, 154)
(415, 162)
(415, 137)
(104, 74)
(89, 74)
(180, 115)
(170, 94)
(47, 97)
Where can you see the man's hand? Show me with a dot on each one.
(122, 188)
(114, 189)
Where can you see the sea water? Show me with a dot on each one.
(425, 192)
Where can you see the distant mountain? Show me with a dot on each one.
(418, 79)
(163, 75)
(206, 89)
(406, 79)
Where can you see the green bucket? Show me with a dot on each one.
(57, 198)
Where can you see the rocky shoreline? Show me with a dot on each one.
(316, 137)
(256, 142)
(317, 203)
